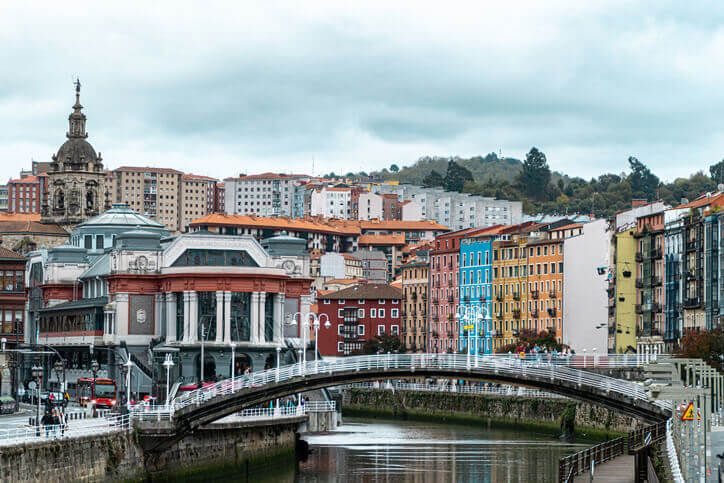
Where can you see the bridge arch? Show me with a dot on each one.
(207, 405)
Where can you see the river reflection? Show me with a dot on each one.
(370, 451)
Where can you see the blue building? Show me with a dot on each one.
(476, 287)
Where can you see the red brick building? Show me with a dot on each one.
(358, 314)
(25, 195)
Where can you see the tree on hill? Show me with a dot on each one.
(717, 172)
(394, 168)
(432, 180)
(534, 178)
(644, 183)
(456, 177)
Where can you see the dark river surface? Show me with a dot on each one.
(381, 450)
(375, 450)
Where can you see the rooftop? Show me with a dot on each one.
(6, 254)
(148, 169)
(122, 215)
(367, 291)
(266, 176)
(381, 240)
(276, 223)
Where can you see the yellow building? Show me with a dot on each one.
(509, 289)
(625, 291)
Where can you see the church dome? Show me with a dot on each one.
(76, 151)
(121, 215)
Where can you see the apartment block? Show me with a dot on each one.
(414, 304)
(198, 195)
(266, 194)
(332, 202)
(26, 194)
(152, 192)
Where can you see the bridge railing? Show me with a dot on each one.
(506, 365)
(454, 388)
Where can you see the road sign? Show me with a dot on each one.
(468, 327)
(688, 414)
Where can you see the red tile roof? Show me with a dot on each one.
(291, 224)
(716, 199)
(6, 254)
(148, 169)
(267, 176)
(367, 291)
(381, 240)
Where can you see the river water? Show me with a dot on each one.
(374, 450)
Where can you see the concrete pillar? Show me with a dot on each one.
(227, 317)
(278, 318)
(262, 317)
(170, 317)
(159, 325)
(193, 317)
(219, 316)
(187, 316)
(305, 302)
(254, 317)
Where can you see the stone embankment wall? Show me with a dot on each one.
(529, 411)
(119, 457)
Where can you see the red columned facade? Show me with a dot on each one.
(358, 314)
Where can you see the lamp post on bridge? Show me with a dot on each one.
(304, 325)
(128, 365)
(168, 364)
(465, 316)
(233, 364)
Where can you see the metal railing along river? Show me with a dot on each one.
(163, 413)
(73, 429)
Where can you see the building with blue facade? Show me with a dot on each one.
(476, 282)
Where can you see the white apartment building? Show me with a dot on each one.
(369, 207)
(458, 210)
(266, 194)
(332, 203)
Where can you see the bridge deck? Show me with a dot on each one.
(618, 470)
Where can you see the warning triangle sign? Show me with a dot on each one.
(689, 414)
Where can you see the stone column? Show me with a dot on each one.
(278, 318)
(227, 317)
(187, 316)
(159, 325)
(305, 303)
(122, 314)
(262, 317)
(219, 315)
(170, 317)
(193, 317)
(254, 317)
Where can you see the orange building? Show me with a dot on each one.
(545, 286)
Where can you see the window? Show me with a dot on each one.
(88, 242)
(340, 346)
(360, 313)
(395, 313)
(340, 313)
(341, 301)
(373, 313)
(361, 302)
(380, 330)
(380, 313)
(395, 330)
(340, 329)
(381, 302)
(360, 329)
(395, 302)
(326, 301)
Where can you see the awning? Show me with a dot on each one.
(97, 302)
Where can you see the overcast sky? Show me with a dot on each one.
(220, 88)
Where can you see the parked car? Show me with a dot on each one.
(8, 405)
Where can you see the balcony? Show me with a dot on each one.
(495, 334)
(611, 310)
(639, 256)
(639, 309)
(656, 253)
(499, 298)
(692, 302)
(552, 294)
(639, 282)
(450, 299)
(692, 245)
(655, 280)
(534, 294)
(516, 295)
(516, 314)
(534, 313)
(434, 301)
(552, 311)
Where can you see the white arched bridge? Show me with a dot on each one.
(203, 406)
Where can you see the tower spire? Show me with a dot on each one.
(76, 120)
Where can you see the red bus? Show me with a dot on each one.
(100, 392)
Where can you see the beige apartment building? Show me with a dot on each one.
(165, 195)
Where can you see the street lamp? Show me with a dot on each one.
(168, 364)
(59, 369)
(203, 336)
(279, 350)
(37, 373)
(316, 324)
(233, 364)
(128, 365)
